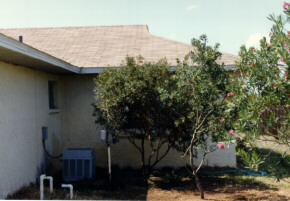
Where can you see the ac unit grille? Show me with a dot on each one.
(78, 164)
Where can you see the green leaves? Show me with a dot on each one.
(262, 86)
(251, 159)
(131, 97)
(199, 97)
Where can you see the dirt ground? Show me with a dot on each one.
(166, 185)
(229, 192)
(226, 188)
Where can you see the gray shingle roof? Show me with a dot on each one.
(103, 46)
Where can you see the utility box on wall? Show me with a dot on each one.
(78, 164)
(44, 133)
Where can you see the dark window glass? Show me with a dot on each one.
(52, 95)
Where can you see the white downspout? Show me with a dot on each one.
(71, 193)
(42, 178)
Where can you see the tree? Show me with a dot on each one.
(128, 102)
(187, 109)
(199, 104)
(262, 87)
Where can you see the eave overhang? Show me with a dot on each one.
(17, 53)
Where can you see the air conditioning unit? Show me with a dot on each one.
(78, 164)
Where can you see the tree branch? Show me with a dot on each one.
(133, 142)
(166, 152)
(202, 161)
(196, 129)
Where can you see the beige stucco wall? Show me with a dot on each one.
(80, 131)
(24, 110)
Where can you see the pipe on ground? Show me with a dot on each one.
(70, 186)
(42, 178)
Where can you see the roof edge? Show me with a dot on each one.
(14, 45)
(64, 27)
(97, 70)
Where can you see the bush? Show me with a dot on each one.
(251, 159)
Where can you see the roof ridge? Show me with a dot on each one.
(90, 26)
(179, 42)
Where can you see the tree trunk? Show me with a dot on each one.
(143, 158)
(144, 166)
(193, 168)
(198, 185)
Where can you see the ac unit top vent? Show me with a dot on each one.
(75, 153)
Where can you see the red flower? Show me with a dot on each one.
(285, 45)
(221, 145)
(230, 94)
(222, 120)
(285, 5)
(232, 79)
(232, 132)
(282, 59)
(254, 50)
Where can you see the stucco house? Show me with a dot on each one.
(46, 79)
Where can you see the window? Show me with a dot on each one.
(52, 95)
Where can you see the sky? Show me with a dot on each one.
(231, 23)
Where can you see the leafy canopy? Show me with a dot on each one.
(262, 86)
(129, 103)
(199, 98)
(129, 99)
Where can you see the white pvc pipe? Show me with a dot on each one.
(42, 178)
(41, 186)
(71, 193)
(50, 183)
